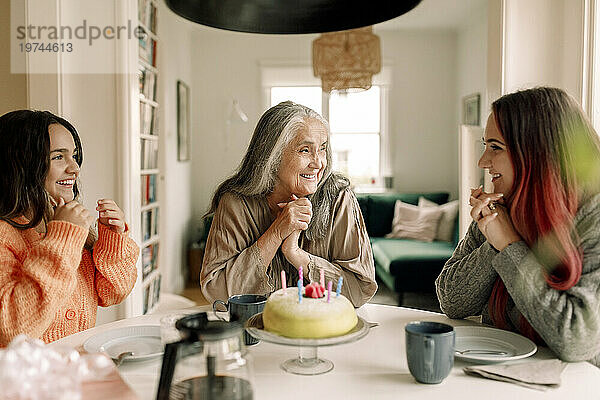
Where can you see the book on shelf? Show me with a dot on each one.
(152, 294)
(149, 260)
(153, 54)
(156, 291)
(148, 189)
(147, 82)
(146, 299)
(149, 223)
(149, 154)
(147, 48)
(148, 119)
(151, 188)
(155, 221)
(147, 14)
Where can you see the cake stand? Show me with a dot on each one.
(307, 362)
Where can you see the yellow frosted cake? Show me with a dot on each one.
(313, 318)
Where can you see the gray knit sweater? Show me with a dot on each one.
(568, 321)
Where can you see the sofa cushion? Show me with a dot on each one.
(379, 210)
(412, 222)
(445, 229)
(392, 254)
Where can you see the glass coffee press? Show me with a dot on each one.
(210, 362)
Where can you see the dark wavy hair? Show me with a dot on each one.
(555, 155)
(24, 165)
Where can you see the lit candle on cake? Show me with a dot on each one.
(329, 284)
(300, 284)
(283, 282)
(339, 286)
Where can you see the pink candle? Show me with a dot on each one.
(300, 284)
(322, 280)
(283, 282)
(329, 291)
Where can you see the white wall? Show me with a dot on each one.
(544, 44)
(423, 109)
(175, 190)
(472, 60)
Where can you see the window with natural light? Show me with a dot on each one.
(355, 123)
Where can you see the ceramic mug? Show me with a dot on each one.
(429, 350)
(240, 308)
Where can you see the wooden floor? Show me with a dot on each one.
(195, 294)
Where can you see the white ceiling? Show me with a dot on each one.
(435, 15)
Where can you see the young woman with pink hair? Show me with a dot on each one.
(530, 261)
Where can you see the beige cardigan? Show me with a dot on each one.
(232, 263)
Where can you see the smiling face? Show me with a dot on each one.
(303, 161)
(496, 159)
(63, 170)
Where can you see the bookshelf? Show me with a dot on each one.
(149, 145)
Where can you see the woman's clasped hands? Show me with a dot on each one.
(293, 218)
(493, 219)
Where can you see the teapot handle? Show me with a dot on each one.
(168, 368)
(214, 307)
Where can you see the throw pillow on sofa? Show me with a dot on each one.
(414, 222)
(446, 225)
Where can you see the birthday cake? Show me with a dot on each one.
(312, 316)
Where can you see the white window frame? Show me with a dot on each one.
(292, 73)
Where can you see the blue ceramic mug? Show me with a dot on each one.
(429, 350)
(241, 307)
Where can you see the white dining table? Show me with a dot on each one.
(374, 367)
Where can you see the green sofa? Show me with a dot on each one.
(404, 265)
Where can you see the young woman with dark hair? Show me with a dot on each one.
(530, 261)
(54, 269)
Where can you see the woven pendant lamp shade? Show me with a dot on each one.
(347, 59)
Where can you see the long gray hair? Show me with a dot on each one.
(257, 173)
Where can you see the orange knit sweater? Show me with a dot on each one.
(50, 286)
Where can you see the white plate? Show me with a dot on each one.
(491, 339)
(143, 341)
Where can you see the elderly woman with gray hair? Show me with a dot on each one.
(284, 210)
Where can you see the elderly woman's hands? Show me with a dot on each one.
(492, 218)
(293, 216)
(290, 248)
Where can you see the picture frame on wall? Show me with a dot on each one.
(471, 109)
(183, 122)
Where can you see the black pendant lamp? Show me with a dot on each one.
(290, 16)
